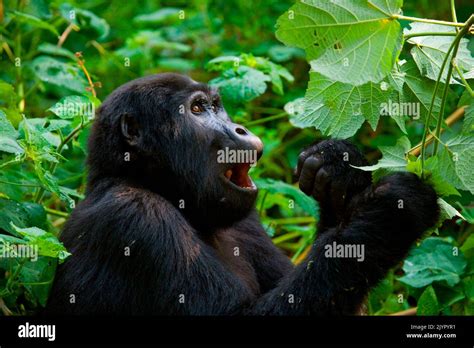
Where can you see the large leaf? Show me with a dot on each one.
(457, 164)
(434, 260)
(419, 91)
(468, 101)
(55, 72)
(349, 41)
(430, 51)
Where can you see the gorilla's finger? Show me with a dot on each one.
(321, 182)
(303, 156)
(308, 173)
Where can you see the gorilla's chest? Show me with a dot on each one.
(231, 252)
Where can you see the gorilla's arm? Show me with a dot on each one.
(385, 219)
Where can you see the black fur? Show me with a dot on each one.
(214, 251)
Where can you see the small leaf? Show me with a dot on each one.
(85, 20)
(35, 22)
(164, 15)
(48, 244)
(447, 211)
(428, 302)
(54, 50)
(273, 186)
(241, 85)
(8, 136)
(393, 157)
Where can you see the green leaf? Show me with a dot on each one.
(8, 136)
(433, 261)
(447, 211)
(348, 41)
(60, 74)
(274, 186)
(457, 166)
(166, 15)
(21, 214)
(85, 20)
(446, 167)
(35, 22)
(241, 85)
(54, 50)
(428, 302)
(37, 278)
(419, 91)
(7, 91)
(48, 244)
(274, 71)
(468, 101)
(429, 51)
(393, 157)
(465, 168)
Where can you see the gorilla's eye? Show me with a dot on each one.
(196, 108)
(214, 108)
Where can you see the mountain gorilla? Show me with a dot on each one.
(166, 228)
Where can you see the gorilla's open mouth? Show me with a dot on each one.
(238, 176)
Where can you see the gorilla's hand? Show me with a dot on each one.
(324, 172)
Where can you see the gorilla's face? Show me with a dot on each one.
(185, 147)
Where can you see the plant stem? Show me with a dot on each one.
(428, 33)
(456, 42)
(453, 118)
(430, 110)
(453, 13)
(466, 84)
(56, 212)
(265, 119)
(74, 132)
(424, 20)
(19, 184)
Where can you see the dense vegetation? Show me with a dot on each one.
(398, 85)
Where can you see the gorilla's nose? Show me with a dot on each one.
(249, 139)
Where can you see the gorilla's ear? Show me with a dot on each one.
(130, 129)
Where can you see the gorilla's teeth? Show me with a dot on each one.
(228, 173)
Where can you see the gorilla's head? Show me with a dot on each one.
(172, 135)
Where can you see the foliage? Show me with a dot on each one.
(60, 58)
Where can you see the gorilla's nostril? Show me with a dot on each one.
(240, 131)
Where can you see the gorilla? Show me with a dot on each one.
(168, 229)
